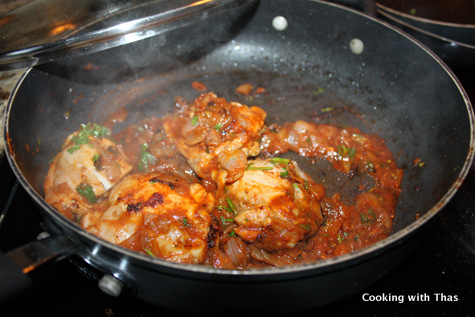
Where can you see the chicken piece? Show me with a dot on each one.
(276, 205)
(88, 165)
(160, 214)
(348, 149)
(215, 136)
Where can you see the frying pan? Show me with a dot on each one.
(446, 27)
(396, 87)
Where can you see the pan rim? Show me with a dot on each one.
(308, 268)
(394, 18)
(311, 268)
(423, 20)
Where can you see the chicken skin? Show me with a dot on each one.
(88, 165)
(216, 137)
(159, 214)
(275, 204)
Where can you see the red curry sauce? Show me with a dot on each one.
(151, 148)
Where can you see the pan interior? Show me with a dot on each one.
(394, 88)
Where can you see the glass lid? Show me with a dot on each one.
(45, 30)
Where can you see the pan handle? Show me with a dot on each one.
(15, 264)
(367, 6)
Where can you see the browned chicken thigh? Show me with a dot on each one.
(160, 214)
(275, 207)
(88, 165)
(272, 208)
(216, 137)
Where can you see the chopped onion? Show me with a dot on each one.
(213, 138)
(236, 249)
(234, 162)
(195, 136)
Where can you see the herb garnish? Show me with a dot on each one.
(87, 192)
(341, 238)
(278, 160)
(368, 217)
(306, 226)
(284, 173)
(149, 252)
(344, 151)
(185, 222)
(258, 168)
(221, 207)
(195, 121)
(90, 129)
(231, 205)
(226, 220)
(146, 158)
(74, 148)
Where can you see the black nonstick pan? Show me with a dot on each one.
(394, 87)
